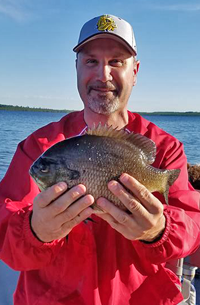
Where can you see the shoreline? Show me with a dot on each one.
(35, 109)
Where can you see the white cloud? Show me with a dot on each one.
(17, 10)
(28, 10)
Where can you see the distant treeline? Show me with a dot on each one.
(186, 113)
(21, 108)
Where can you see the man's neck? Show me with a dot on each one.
(118, 119)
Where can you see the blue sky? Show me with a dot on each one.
(37, 64)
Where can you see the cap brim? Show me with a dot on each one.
(79, 46)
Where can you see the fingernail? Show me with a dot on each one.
(80, 190)
(61, 186)
(113, 185)
(89, 199)
(124, 178)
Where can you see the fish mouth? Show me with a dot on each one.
(39, 183)
(32, 172)
(36, 179)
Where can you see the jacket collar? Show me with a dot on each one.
(135, 124)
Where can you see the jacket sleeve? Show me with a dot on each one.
(182, 232)
(19, 248)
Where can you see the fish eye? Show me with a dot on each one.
(44, 168)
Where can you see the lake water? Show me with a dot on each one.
(15, 126)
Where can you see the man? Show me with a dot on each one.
(119, 257)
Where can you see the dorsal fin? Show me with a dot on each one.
(147, 146)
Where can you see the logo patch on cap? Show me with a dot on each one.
(106, 23)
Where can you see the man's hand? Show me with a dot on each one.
(56, 212)
(146, 220)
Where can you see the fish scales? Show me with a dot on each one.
(98, 157)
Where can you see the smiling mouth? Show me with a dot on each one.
(102, 90)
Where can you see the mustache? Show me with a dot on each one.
(98, 85)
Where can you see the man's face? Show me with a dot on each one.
(106, 73)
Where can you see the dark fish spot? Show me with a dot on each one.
(74, 174)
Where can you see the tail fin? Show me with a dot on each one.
(173, 175)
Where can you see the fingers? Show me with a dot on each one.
(67, 226)
(119, 220)
(146, 220)
(56, 212)
(129, 201)
(44, 198)
(138, 225)
(141, 197)
(74, 212)
(55, 203)
(112, 222)
(64, 201)
(118, 215)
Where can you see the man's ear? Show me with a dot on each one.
(135, 71)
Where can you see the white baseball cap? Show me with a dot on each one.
(104, 25)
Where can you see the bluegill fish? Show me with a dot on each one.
(97, 157)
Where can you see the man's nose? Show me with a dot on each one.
(104, 73)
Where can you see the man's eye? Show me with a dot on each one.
(116, 62)
(91, 61)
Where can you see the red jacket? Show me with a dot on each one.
(95, 265)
